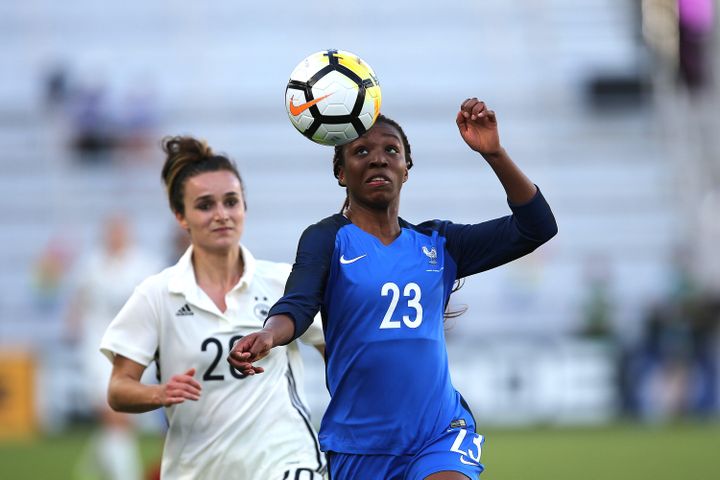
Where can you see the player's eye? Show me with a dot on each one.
(204, 206)
(360, 151)
(231, 202)
(392, 149)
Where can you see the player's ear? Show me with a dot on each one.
(181, 221)
(406, 174)
(341, 177)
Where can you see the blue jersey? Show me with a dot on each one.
(382, 309)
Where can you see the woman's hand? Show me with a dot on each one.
(478, 127)
(278, 330)
(127, 394)
(179, 388)
(250, 349)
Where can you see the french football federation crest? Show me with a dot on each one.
(431, 254)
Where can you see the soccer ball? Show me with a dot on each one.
(332, 97)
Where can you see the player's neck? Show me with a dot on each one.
(218, 270)
(382, 223)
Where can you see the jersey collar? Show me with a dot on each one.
(183, 280)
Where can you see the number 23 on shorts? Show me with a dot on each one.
(469, 446)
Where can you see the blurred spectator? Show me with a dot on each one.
(103, 119)
(665, 383)
(137, 118)
(91, 123)
(48, 278)
(680, 32)
(598, 304)
(102, 283)
(56, 87)
(695, 26)
(674, 370)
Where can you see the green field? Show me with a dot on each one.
(619, 452)
(687, 451)
(57, 457)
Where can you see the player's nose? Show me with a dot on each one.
(221, 213)
(378, 159)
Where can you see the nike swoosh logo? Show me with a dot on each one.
(462, 460)
(296, 110)
(345, 261)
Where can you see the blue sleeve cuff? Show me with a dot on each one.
(535, 218)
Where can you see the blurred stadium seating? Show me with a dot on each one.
(583, 107)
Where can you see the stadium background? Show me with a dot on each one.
(569, 356)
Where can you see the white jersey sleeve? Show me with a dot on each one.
(133, 333)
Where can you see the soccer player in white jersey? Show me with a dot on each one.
(221, 423)
(382, 285)
(103, 281)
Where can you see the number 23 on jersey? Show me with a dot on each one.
(411, 294)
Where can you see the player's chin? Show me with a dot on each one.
(223, 243)
(382, 199)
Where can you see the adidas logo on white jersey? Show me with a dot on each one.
(185, 310)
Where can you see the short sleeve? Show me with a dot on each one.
(134, 332)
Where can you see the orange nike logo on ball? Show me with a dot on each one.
(298, 109)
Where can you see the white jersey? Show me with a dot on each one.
(255, 427)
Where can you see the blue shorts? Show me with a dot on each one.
(456, 449)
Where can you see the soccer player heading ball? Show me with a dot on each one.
(382, 285)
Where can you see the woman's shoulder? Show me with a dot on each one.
(272, 270)
(158, 282)
(325, 228)
(333, 222)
